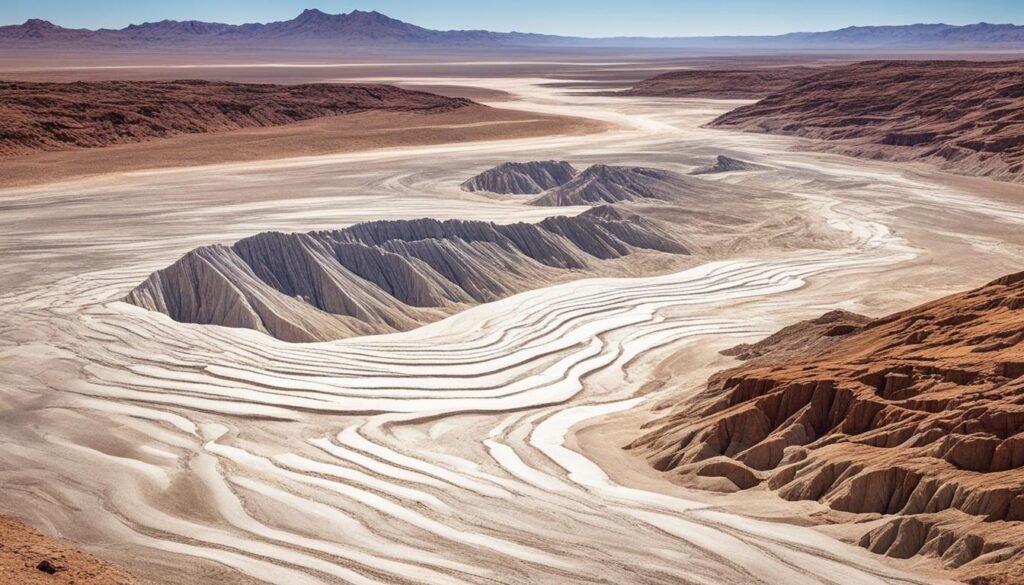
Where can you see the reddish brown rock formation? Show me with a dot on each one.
(917, 417)
(30, 558)
(966, 116)
(721, 83)
(59, 116)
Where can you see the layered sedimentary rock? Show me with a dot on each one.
(965, 116)
(727, 164)
(721, 83)
(601, 184)
(59, 116)
(527, 178)
(384, 275)
(917, 417)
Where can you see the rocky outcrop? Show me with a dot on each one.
(600, 184)
(917, 417)
(721, 83)
(726, 164)
(963, 116)
(59, 116)
(527, 178)
(980, 552)
(559, 184)
(804, 337)
(28, 557)
(384, 275)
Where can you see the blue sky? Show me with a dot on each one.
(570, 17)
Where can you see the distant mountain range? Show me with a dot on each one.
(316, 28)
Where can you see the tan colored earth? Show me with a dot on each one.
(27, 557)
(486, 446)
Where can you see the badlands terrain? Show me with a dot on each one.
(964, 116)
(61, 116)
(722, 83)
(520, 414)
(912, 421)
(51, 130)
(385, 276)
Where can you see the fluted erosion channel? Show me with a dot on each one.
(485, 446)
(385, 275)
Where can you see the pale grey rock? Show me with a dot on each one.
(614, 184)
(383, 276)
(527, 178)
(726, 164)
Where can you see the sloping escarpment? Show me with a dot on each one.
(804, 337)
(557, 183)
(384, 275)
(27, 557)
(527, 178)
(600, 184)
(918, 416)
(60, 116)
(967, 117)
(727, 164)
(720, 83)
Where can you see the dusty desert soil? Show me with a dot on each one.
(27, 557)
(967, 117)
(456, 452)
(340, 134)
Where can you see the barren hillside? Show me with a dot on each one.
(384, 275)
(601, 184)
(914, 421)
(58, 116)
(967, 117)
(721, 83)
(527, 178)
(28, 557)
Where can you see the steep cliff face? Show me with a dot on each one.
(917, 417)
(527, 178)
(384, 275)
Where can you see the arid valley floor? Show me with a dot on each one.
(486, 446)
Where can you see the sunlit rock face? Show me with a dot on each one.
(384, 275)
(527, 178)
(917, 415)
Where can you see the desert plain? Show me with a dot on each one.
(487, 445)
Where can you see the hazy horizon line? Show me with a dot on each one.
(528, 32)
